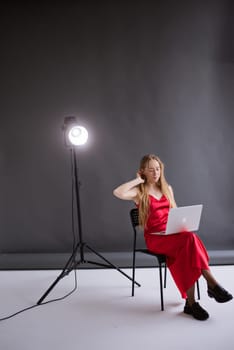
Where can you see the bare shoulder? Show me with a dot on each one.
(172, 196)
(170, 189)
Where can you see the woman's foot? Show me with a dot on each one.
(219, 294)
(196, 311)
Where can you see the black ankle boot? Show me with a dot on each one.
(219, 294)
(196, 311)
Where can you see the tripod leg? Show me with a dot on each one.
(67, 268)
(49, 289)
(112, 265)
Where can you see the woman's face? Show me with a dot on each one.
(152, 171)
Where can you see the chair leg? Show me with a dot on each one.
(198, 290)
(165, 275)
(133, 266)
(161, 286)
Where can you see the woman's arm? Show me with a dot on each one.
(128, 190)
(172, 195)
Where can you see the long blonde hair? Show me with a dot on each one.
(143, 195)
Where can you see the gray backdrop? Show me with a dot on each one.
(143, 77)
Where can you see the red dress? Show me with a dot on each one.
(186, 254)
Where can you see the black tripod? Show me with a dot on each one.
(72, 263)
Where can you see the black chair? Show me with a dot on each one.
(161, 258)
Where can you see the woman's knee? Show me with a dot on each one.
(189, 236)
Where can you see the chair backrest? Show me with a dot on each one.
(134, 214)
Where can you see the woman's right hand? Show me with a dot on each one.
(138, 175)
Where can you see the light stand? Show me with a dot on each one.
(72, 263)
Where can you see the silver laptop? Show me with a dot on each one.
(184, 219)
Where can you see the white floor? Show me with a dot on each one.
(101, 314)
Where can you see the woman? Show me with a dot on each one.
(187, 258)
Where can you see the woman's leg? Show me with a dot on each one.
(193, 308)
(186, 257)
(214, 289)
(211, 281)
(191, 295)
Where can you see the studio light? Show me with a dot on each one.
(78, 135)
(74, 133)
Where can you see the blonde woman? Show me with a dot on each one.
(187, 258)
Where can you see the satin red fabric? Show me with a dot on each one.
(186, 254)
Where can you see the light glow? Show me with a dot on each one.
(78, 135)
